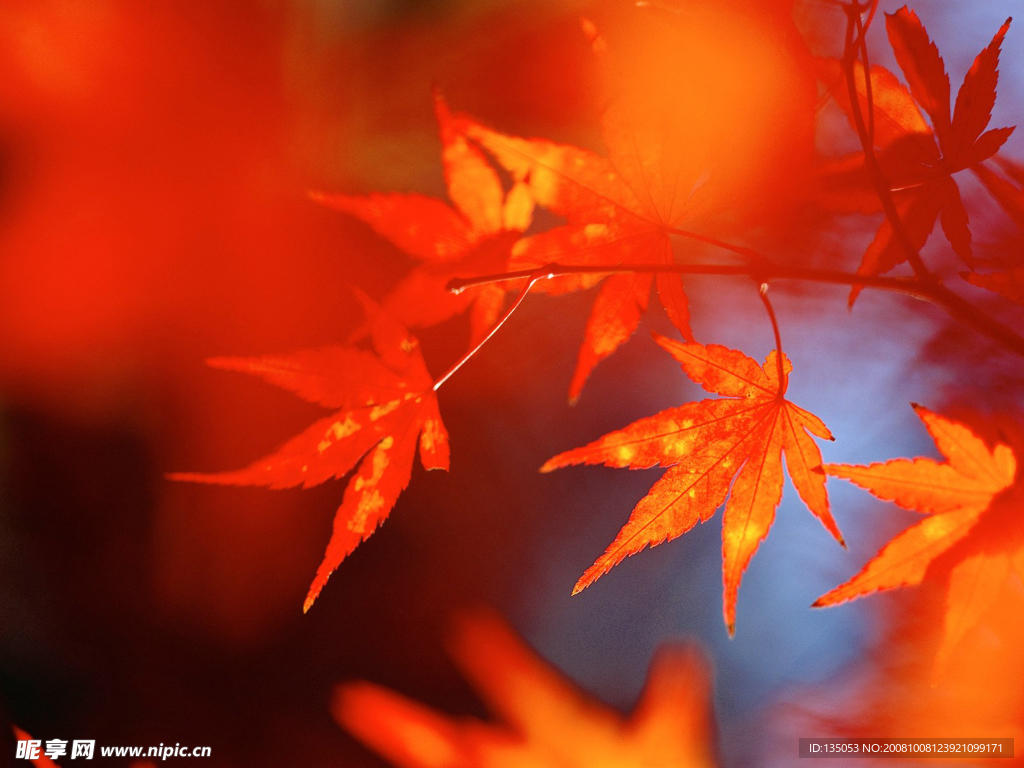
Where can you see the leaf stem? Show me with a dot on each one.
(533, 278)
(762, 291)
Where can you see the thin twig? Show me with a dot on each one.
(869, 97)
(536, 275)
(878, 179)
(766, 271)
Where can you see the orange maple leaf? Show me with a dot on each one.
(890, 693)
(546, 721)
(385, 400)
(474, 237)
(706, 445)
(919, 160)
(957, 494)
(621, 209)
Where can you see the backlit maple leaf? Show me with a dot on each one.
(621, 209)
(708, 446)
(917, 159)
(1008, 278)
(545, 721)
(473, 237)
(967, 505)
(1006, 188)
(1009, 282)
(386, 405)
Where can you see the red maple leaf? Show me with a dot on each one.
(1008, 282)
(919, 160)
(473, 237)
(1008, 278)
(967, 505)
(545, 721)
(620, 209)
(386, 406)
(714, 448)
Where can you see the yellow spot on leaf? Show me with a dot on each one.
(363, 520)
(626, 453)
(379, 411)
(339, 430)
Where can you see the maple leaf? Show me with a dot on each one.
(386, 406)
(709, 445)
(1009, 280)
(473, 237)
(546, 721)
(620, 209)
(955, 495)
(1007, 193)
(1009, 283)
(917, 159)
(888, 693)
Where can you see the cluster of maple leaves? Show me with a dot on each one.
(624, 209)
(919, 160)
